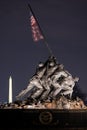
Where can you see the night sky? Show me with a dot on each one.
(64, 23)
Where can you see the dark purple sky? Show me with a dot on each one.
(64, 23)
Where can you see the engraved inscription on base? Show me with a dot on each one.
(45, 117)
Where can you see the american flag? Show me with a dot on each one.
(36, 32)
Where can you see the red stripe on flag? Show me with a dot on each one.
(36, 33)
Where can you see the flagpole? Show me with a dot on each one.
(45, 41)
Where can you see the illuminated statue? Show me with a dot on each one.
(49, 75)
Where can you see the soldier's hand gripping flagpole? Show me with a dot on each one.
(37, 32)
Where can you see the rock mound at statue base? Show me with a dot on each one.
(61, 103)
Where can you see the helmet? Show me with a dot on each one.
(41, 64)
(52, 63)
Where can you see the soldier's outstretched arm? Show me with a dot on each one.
(25, 91)
(21, 94)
